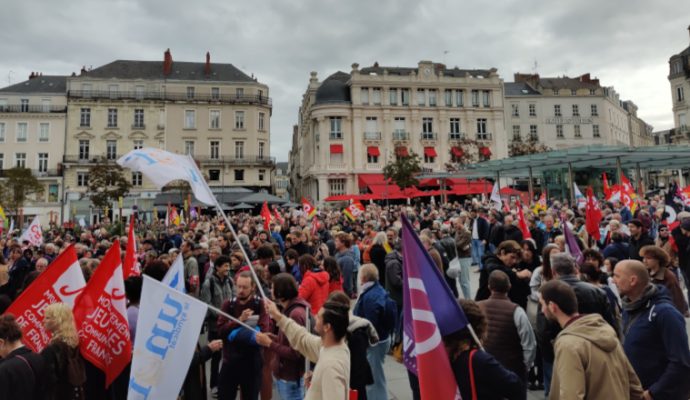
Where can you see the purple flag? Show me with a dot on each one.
(571, 246)
(423, 283)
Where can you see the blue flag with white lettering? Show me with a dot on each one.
(168, 329)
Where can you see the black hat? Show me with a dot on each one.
(635, 222)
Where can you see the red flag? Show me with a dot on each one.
(100, 312)
(308, 208)
(266, 214)
(627, 186)
(593, 215)
(354, 210)
(522, 223)
(279, 218)
(61, 282)
(607, 189)
(130, 266)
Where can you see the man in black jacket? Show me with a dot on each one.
(638, 239)
(590, 299)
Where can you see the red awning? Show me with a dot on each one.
(401, 151)
(373, 151)
(485, 151)
(457, 151)
(336, 149)
(430, 152)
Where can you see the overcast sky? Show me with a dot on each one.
(626, 44)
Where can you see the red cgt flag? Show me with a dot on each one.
(130, 265)
(100, 312)
(267, 216)
(607, 188)
(593, 215)
(60, 283)
(522, 223)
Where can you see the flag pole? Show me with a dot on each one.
(228, 316)
(232, 230)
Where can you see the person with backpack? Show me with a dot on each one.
(288, 364)
(375, 305)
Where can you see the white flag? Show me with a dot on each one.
(162, 167)
(579, 198)
(168, 329)
(175, 275)
(33, 234)
(496, 197)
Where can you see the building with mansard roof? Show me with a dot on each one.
(212, 111)
(350, 124)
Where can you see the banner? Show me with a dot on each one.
(175, 275)
(167, 333)
(33, 234)
(61, 282)
(308, 208)
(163, 167)
(580, 200)
(100, 312)
(429, 312)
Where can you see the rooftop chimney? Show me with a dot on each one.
(207, 67)
(167, 62)
(32, 76)
(688, 29)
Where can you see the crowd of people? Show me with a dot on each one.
(609, 325)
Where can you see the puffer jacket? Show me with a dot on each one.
(590, 363)
(314, 288)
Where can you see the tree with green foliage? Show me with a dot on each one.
(107, 183)
(403, 170)
(20, 184)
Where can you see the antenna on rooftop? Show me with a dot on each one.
(445, 52)
(9, 77)
(535, 67)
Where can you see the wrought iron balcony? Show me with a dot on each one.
(456, 136)
(428, 135)
(401, 135)
(31, 108)
(372, 135)
(91, 159)
(171, 96)
(486, 137)
(37, 173)
(232, 160)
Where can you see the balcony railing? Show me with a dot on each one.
(138, 126)
(484, 137)
(372, 135)
(401, 135)
(456, 136)
(26, 108)
(232, 160)
(428, 135)
(37, 173)
(92, 159)
(176, 96)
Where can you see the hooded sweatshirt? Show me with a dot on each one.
(590, 363)
(656, 342)
(314, 288)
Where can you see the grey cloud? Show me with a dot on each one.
(626, 44)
